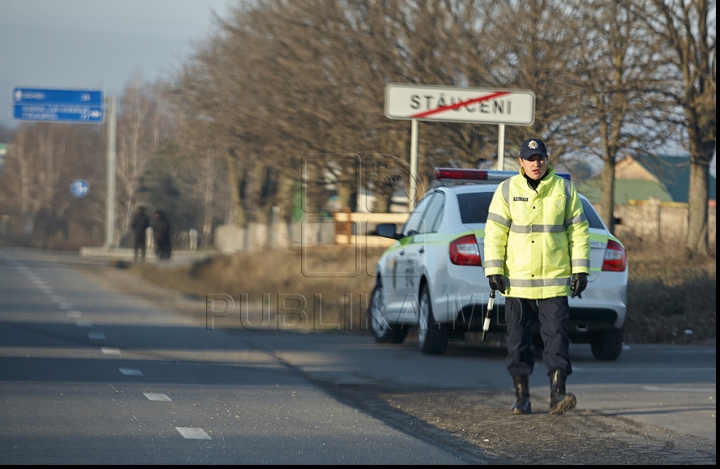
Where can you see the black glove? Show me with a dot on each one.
(578, 284)
(497, 283)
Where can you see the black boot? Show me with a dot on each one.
(560, 401)
(522, 392)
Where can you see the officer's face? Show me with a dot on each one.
(535, 166)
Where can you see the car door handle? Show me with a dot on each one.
(402, 253)
(422, 250)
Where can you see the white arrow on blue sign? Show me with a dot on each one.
(54, 105)
(80, 188)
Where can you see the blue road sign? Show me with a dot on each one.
(80, 188)
(80, 106)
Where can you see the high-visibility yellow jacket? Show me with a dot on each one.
(536, 239)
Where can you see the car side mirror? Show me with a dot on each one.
(387, 230)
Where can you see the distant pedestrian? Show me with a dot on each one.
(161, 232)
(139, 225)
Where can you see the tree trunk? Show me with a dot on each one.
(697, 237)
(607, 198)
(208, 200)
(347, 195)
(237, 214)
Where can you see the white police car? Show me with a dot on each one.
(432, 278)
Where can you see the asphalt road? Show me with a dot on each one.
(83, 366)
(91, 376)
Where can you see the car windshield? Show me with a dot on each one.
(474, 209)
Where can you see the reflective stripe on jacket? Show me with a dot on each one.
(536, 239)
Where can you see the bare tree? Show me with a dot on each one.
(530, 50)
(285, 80)
(142, 125)
(613, 75)
(686, 30)
(43, 160)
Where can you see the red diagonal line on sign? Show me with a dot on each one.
(460, 104)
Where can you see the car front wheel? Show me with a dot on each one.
(379, 327)
(432, 337)
(607, 345)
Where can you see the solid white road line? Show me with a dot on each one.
(644, 370)
(664, 389)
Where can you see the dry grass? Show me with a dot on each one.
(329, 281)
(668, 293)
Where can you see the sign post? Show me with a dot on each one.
(111, 164)
(80, 107)
(456, 104)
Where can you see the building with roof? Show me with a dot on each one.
(641, 178)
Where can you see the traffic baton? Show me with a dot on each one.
(490, 306)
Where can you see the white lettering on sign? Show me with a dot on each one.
(33, 95)
(459, 104)
(428, 103)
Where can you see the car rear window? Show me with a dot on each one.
(474, 206)
(591, 215)
(474, 209)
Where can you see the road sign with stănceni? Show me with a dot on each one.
(59, 105)
(457, 104)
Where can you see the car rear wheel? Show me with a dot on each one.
(383, 331)
(607, 345)
(432, 337)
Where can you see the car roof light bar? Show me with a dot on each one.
(477, 175)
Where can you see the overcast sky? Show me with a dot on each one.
(96, 44)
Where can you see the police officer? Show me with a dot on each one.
(537, 251)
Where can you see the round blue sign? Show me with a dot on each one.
(80, 188)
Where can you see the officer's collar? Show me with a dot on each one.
(534, 183)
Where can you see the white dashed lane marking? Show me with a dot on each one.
(157, 397)
(189, 433)
(193, 433)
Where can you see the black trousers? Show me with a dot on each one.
(139, 246)
(554, 315)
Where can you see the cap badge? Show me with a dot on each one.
(532, 144)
